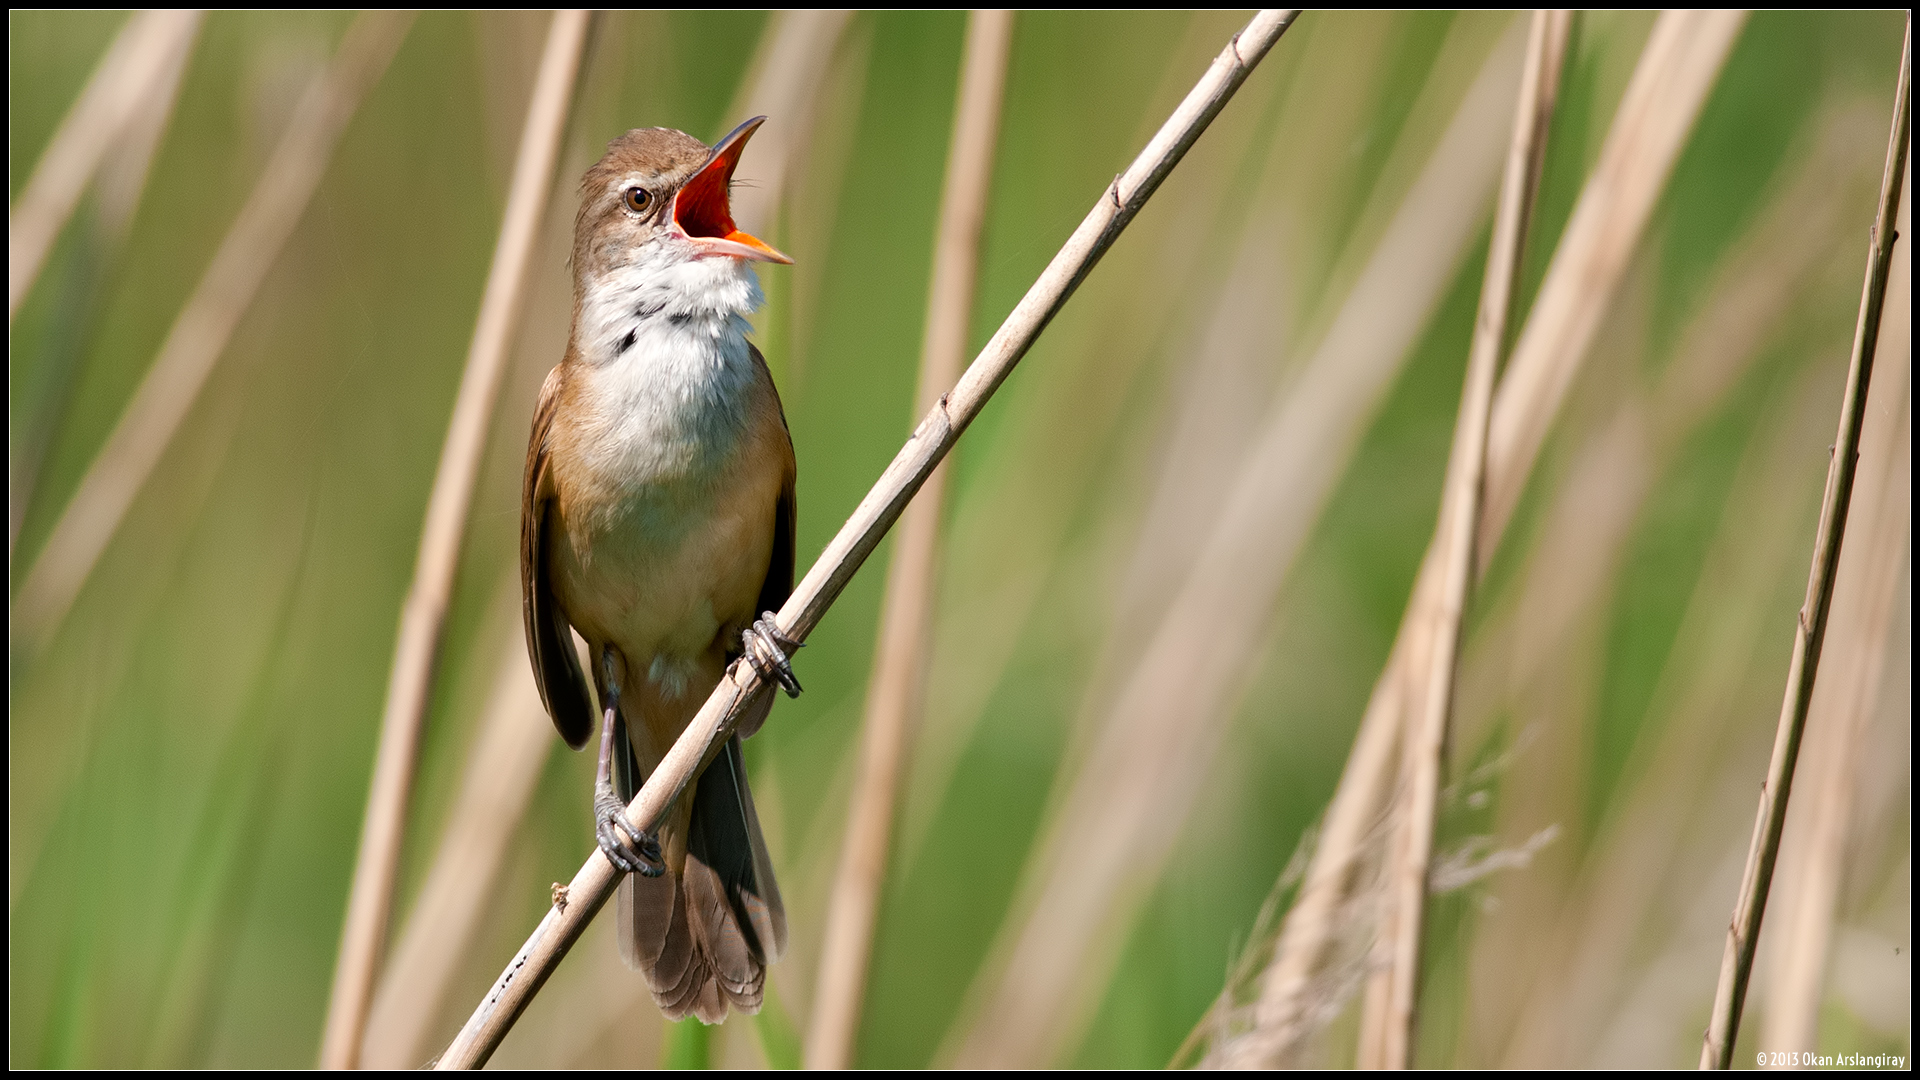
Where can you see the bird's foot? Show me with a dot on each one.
(627, 848)
(766, 648)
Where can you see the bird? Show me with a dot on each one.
(657, 518)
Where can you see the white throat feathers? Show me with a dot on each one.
(663, 346)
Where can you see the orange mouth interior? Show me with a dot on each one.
(701, 209)
(701, 212)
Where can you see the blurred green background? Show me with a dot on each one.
(190, 751)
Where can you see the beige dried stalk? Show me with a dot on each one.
(899, 666)
(1454, 536)
(201, 331)
(1743, 933)
(133, 82)
(514, 741)
(504, 766)
(417, 645)
(1545, 1003)
(935, 436)
(795, 51)
(1121, 811)
(1669, 87)
(1865, 605)
(129, 161)
(1561, 587)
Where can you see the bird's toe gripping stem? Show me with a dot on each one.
(766, 648)
(627, 848)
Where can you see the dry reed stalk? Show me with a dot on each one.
(931, 440)
(417, 645)
(1677, 70)
(1009, 571)
(201, 331)
(504, 765)
(495, 790)
(129, 161)
(1716, 1049)
(1670, 84)
(1864, 609)
(1534, 651)
(135, 80)
(1663, 842)
(1425, 748)
(789, 65)
(1531, 1003)
(899, 666)
(1120, 812)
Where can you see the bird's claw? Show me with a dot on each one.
(627, 848)
(766, 649)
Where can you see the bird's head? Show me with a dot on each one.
(658, 201)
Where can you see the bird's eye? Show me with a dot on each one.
(639, 199)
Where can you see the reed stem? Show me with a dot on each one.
(139, 74)
(1743, 933)
(136, 137)
(899, 666)
(423, 616)
(1455, 535)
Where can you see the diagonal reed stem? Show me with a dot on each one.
(423, 616)
(1459, 515)
(893, 695)
(131, 78)
(201, 331)
(129, 161)
(1863, 628)
(931, 440)
(1743, 933)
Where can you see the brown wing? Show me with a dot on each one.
(556, 667)
(778, 584)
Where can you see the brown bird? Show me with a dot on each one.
(656, 519)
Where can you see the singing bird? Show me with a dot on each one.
(657, 517)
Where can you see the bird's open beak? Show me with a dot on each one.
(700, 208)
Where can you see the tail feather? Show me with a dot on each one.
(704, 932)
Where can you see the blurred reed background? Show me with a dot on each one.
(191, 742)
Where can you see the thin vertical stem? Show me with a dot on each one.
(1425, 747)
(893, 695)
(1743, 933)
(1866, 603)
(417, 645)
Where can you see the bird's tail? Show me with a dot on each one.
(704, 932)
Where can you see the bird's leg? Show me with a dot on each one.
(626, 847)
(766, 649)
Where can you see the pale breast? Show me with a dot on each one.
(667, 489)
